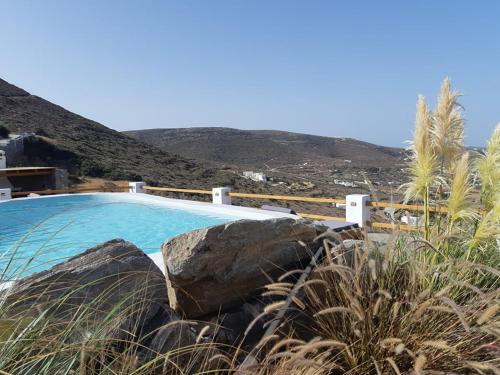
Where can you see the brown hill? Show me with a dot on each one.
(85, 147)
(295, 157)
(261, 148)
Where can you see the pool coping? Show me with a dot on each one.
(224, 209)
(238, 212)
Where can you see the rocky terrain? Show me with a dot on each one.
(299, 163)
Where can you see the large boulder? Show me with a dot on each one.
(211, 269)
(113, 287)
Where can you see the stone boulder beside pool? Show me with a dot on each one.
(113, 289)
(212, 269)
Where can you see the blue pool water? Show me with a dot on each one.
(38, 233)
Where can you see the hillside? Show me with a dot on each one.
(85, 147)
(266, 148)
(301, 162)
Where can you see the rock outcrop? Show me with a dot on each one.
(113, 285)
(219, 267)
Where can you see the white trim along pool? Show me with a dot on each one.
(181, 204)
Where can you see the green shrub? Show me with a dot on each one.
(91, 169)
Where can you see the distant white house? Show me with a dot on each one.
(344, 183)
(411, 220)
(255, 176)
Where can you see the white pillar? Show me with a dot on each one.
(5, 194)
(3, 160)
(356, 210)
(220, 195)
(136, 187)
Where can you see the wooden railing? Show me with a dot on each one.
(263, 196)
(380, 225)
(398, 226)
(320, 217)
(288, 198)
(249, 195)
(175, 190)
(408, 207)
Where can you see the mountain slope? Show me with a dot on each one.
(299, 164)
(261, 148)
(222, 145)
(86, 147)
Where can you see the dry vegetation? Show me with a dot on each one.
(416, 306)
(375, 312)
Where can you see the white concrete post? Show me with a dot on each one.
(220, 195)
(5, 194)
(136, 187)
(356, 210)
(3, 160)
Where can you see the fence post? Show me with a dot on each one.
(220, 195)
(3, 160)
(136, 187)
(5, 194)
(356, 210)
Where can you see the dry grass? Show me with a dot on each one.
(423, 166)
(460, 202)
(447, 127)
(378, 316)
(423, 161)
(489, 226)
(488, 168)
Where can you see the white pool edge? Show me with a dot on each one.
(213, 209)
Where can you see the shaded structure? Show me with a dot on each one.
(33, 178)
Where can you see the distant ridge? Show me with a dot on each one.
(86, 147)
(254, 148)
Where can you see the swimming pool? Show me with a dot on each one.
(38, 233)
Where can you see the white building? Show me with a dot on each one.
(411, 220)
(345, 183)
(255, 176)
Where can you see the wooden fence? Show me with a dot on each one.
(379, 225)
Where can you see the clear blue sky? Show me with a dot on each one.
(335, 68)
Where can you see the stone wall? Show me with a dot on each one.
(61, 179)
